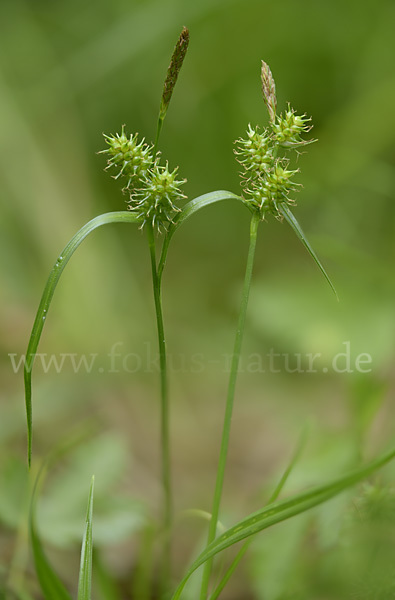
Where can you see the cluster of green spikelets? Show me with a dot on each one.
(152, 188)
(266, 179)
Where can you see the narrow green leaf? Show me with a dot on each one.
(280, 511)
(51, 586)
(229, 571)
(294, 459)
(289, 217)
(46, 298)
(192, 207)
(85, 576)
(200, 202)
(277, 491)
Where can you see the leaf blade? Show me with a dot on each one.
(280, 511)
(192, 207)
(51, 586)
(85, 574)
(289, 217)
(232, 567)
(46, 299)
(200, 202)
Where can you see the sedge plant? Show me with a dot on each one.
(156, 205)
(268, 184)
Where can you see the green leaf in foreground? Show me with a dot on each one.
(280, 511)
(46, 298)
(289, 217)
(277, 491)
(85, 576)
(51, 586)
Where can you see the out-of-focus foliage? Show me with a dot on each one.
(71, 70)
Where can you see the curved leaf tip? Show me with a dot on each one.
(289, 217)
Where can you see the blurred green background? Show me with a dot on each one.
(72, 70)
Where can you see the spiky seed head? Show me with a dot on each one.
(269, 91)
(157, 198)
(266, 179)
(289, 127)
(130, 156)
(267, 192)
(255, 154)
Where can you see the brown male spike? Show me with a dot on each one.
(269, 91)
(177, 59)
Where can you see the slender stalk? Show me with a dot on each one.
(165, 438)
(229, 402)
(230, 571)
(158, 130)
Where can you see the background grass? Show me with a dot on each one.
(68, 72)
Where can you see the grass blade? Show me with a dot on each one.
(200, 202)
(46, 298)
(85, 576)
(192, 207)
(277, 491)
(229, 571)
(280, 511)
(294, 459)
(51, 586)
(289, 217)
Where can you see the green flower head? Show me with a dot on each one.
(132, 157)
(289, 127)
(153, 190)
(255, 154)
(266, 193)
(155, 201)
(266, 180)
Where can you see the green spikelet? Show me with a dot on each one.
(255, 154)
(267, 192)
(130, 156)
(155, 201)
(289, 127)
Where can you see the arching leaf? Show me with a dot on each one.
(192, 207)
(280, 511)
(46, 298)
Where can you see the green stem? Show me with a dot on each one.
(229, 402)
(230, 571)
(165, 438)
(158, 130)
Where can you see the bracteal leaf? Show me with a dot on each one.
(289, 217)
